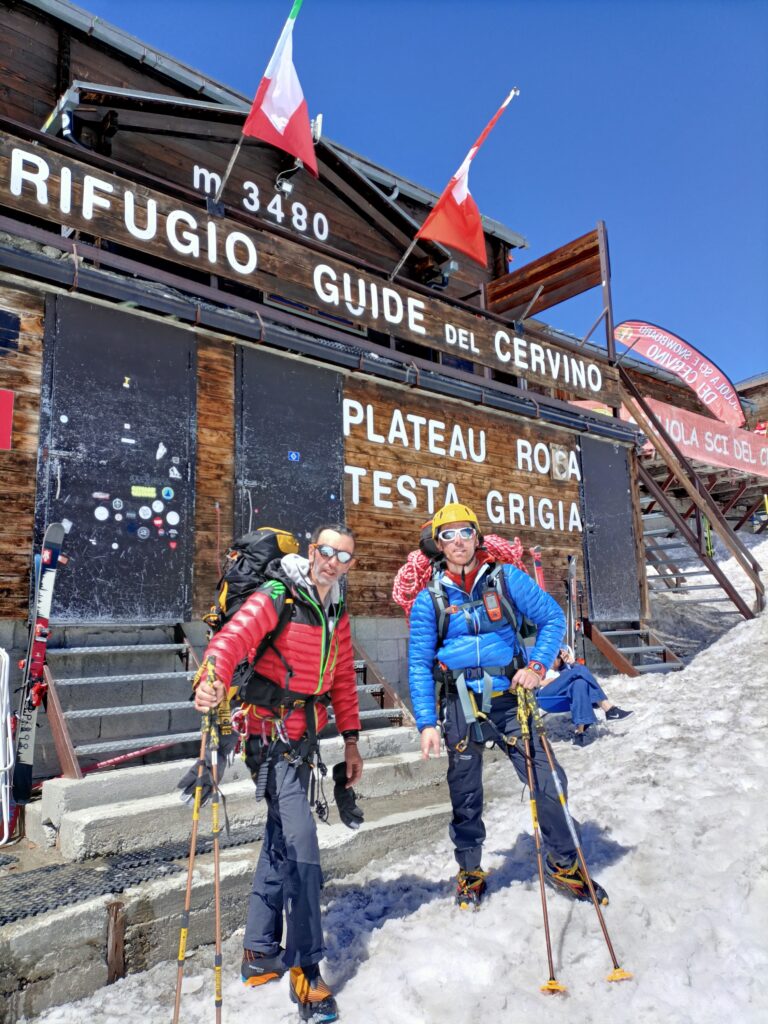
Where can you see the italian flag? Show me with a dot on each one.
(454, 220)
(279, 114)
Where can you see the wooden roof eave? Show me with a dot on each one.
(158, 113)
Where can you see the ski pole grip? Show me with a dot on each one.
(224, 716)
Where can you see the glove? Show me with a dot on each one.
(349, 812)
(188, 782)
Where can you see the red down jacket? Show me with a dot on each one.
(315, 643)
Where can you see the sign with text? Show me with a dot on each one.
(700, 374)
(717, 444)
(70, 193)
(408, 456)
(407, 453)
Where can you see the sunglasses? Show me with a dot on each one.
(465, 532)
(328, 552)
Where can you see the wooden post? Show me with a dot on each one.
(115, 942)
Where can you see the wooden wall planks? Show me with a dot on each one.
(20, 372)
(215, 472)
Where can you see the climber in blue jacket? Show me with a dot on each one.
(463, 634)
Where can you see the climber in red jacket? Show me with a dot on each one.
(297, 626)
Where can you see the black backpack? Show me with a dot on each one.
(250, 564)
(246, 568)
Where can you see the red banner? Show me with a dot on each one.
(716, 444)
(6, 418)
(675, 355)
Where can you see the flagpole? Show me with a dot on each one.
(405, 256)
(228, 171)
(483, 136)
(286, 30)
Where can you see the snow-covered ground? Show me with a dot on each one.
(675, 825)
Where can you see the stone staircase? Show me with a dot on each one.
(114, 703)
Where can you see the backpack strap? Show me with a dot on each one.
(494, 580)
(284, 603)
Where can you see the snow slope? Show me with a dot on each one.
(675, 826)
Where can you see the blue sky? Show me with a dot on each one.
(651, 116)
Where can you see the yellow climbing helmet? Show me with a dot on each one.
(453, 513)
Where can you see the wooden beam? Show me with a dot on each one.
(749, 513)
(65, 752)
(569, 255)
(606, 648)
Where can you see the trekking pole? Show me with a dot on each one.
(618, 973)
(204, 731)
(220, 725)
(553, 985)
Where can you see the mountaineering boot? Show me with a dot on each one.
(314, 998)
(615, 713)
(259, 968)
(568, 878)
(470, 888)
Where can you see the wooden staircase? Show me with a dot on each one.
(680, 520)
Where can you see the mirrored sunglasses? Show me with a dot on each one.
(328, 552)
(465, 532)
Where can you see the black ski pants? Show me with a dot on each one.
(465, 781)
(288, 876)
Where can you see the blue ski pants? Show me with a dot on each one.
(465, 781)
(288, 876)
(580, 688)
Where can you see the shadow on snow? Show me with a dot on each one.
(354, 912)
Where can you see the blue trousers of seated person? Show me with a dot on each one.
(579, 687)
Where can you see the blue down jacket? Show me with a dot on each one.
(477, 642)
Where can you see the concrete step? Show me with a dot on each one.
(137, 808)
(138, 825)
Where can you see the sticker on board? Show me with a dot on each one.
(294, 456)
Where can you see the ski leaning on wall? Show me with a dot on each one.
(33, 686)
(571, 618)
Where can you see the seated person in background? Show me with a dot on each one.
(574, 682)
